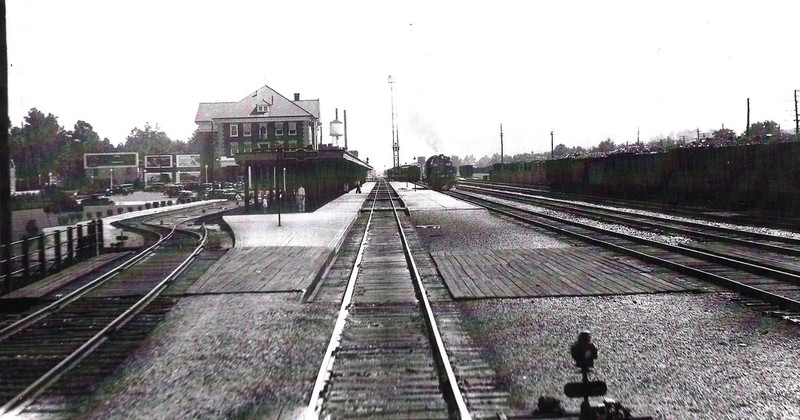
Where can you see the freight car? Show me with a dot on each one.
(466, 171)
(440, 174)
(744, 177)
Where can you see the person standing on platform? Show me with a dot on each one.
(301, 199)
(358, 186)
(264, 202)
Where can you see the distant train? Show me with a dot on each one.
(440, 174)
(405, 173)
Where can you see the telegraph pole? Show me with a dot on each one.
(551, 144)
(395, 139)
(637, 135)
(5, 164)
(796, 119)
(747, 129)
(501, 145)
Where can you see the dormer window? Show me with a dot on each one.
(262, 108)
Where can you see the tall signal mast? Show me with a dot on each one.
(395, 134)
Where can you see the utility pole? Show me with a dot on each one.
(5, 166)
(345, 129)
(637, 135)
(747, 129)
(698, 133)
(501, 145)
(395, 139)
(551, 144)
(796, 119)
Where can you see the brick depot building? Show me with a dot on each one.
(265, 133)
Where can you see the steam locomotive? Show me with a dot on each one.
(440, 174)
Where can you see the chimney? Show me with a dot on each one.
(296, 96)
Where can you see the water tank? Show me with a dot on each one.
(337, 128)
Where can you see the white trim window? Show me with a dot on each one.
(279, 129)
(262, 108)
(292, 128)
(234, 130)
(248, 129)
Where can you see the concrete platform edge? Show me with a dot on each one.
(312, 288)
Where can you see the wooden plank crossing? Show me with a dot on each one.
(55, 281)
(263, 269)
(578, 271)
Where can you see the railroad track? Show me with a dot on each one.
(386, 356)
(776, 289)
(40, 352)
(761, 220)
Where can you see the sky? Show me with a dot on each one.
(587, 70)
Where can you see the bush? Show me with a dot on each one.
(99, 214)
(88, 215)
(147, 206)
(63, 220)
(110, 212)
(120, 210)
(130, 209)
(155, 204)
(169, 203)
(163, 203)
(140, 207)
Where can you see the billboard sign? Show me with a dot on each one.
(158, 161)
(188, 176)
(187, 161)
(110, 160)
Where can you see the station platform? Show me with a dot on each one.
(423, 199)
(286, 258)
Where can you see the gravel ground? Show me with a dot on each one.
(669, 356)
(272, 344)
(476, 230)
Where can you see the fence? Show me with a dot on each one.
(36, 257)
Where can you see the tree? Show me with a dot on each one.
(150, 141)
(560, 151)
(36, 145)
(606, 146)
(763, 132)
(722, 137)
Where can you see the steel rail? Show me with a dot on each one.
(741, 263)
(742, 288)
(605, 212)
(452, 384)
(22, 400)
(315, 403)
(59, 304)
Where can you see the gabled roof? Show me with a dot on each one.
(279, 106)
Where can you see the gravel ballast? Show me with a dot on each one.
(222, 356)
(669, 356)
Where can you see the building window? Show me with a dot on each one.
(279, 129)
(247, 129)
(262, 108)
(292, 128)
(247, 150)
(263, 145)
(234, 130)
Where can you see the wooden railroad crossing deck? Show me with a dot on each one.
(264, 269)
(576, 271)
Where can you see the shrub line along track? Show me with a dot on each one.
(681, 259)
(386, 355)
(41, 348)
